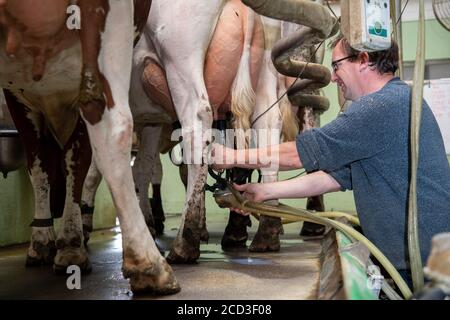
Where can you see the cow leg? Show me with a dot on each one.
(235, 235)
(111, 144)
(143, 170)
(185, 78)
(70, 245)
(156, 201)
(91, 183)
(42, 248)
(269, 228)
(186, 246)
(42, 155)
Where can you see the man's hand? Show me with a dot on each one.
(222, 157)
(250, 191)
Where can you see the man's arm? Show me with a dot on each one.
(309, 185)
(283, 156)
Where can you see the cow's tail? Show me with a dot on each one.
(242, 95)
(289, 127)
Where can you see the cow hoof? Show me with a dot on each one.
(40, 254)
(267, 237)
(150, 278)
(264, 246)
(175, 257)
(182, 252)
(235, 235)
(72, 256)
(312, 230)
(229, 242)
(146, 284)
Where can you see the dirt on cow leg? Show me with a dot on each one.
(267, 237)
(186, 246)
(87, 216)
(93, 17)
(42, 249)
(235, 235)
(186, 249)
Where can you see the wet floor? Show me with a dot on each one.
(292, 273)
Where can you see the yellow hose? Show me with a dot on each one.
(324, 214)
(231, 198)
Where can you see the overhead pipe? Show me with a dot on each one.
(313, 75)
(304, 12)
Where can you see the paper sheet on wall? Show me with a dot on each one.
(437, 95)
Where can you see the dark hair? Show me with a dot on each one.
(385, 61)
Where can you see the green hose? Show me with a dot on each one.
(324, 214)
(233, 199)
(416, 111)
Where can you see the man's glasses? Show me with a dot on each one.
(335, 64)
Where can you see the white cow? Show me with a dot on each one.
(223, 57)
(46, 116)
(212, 49)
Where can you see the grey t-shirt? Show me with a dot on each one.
(366, 149)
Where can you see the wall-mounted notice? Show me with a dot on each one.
(437, 94)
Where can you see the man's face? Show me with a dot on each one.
(345, 73)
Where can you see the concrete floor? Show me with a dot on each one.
(292, 273)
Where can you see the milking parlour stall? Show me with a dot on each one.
(223, 157)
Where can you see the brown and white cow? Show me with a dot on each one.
(45, 111)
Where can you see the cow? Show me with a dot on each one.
(41, 82)
(232, 62)
(221, 62)
(167, 68)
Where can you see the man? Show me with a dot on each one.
(365, 149)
